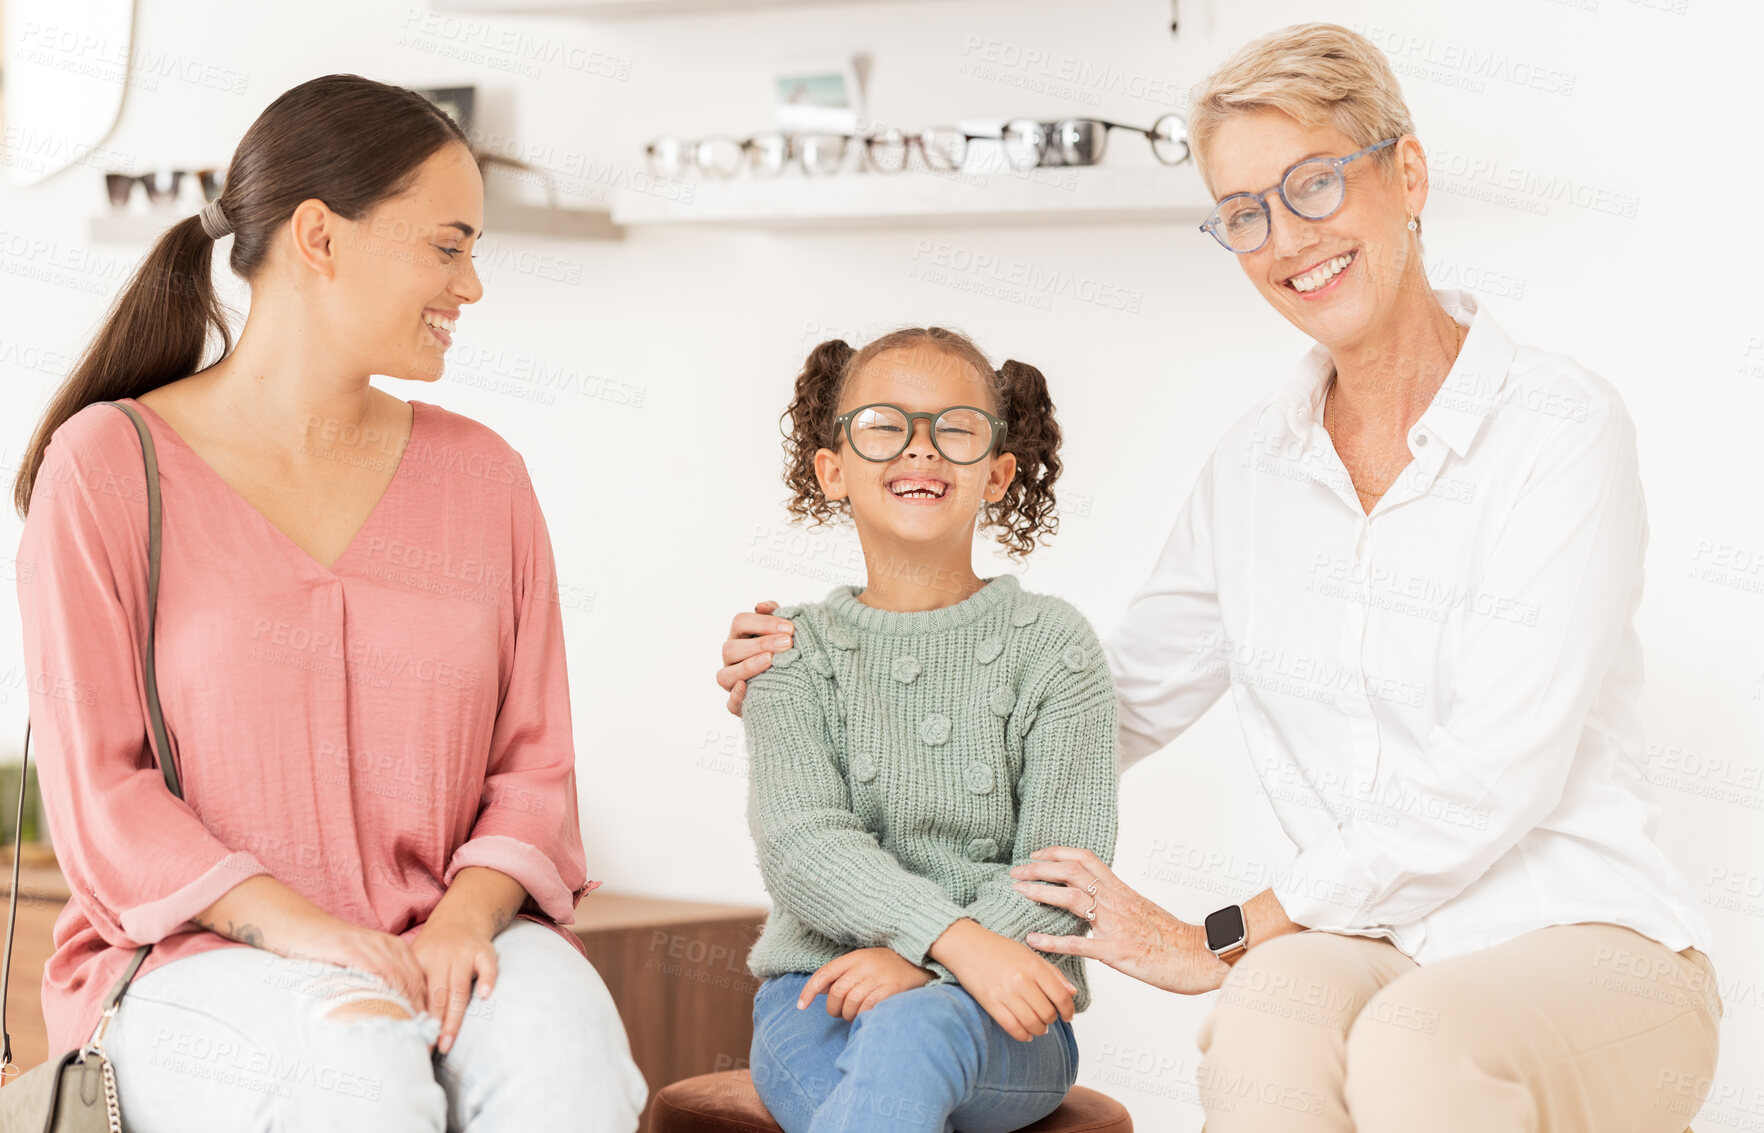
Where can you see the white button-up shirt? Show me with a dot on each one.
(1439, 696)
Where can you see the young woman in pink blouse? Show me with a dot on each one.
(357, 908)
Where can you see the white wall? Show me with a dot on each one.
(1541, 115)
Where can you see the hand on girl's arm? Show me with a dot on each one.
(1022, 992)
(1131, 934)
(455, 945)
(858, 980)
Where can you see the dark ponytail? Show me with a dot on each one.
(1022, 516)
(1025, 513)
(812, 408)
(348, 141)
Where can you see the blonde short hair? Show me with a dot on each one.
(1314, 72)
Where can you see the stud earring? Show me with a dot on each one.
(1413, 224)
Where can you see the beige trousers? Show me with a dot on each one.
(1569, 1029)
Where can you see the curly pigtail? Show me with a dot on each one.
(1025, 514)
(812, 409)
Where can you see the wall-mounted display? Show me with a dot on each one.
(1020, 143)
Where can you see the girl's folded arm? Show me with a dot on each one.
(818, 860)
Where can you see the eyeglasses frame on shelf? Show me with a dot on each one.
(747, 150)
(794, 151)
(1044, 141)
(907, 139)
(934, 158)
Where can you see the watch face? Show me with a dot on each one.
(1225, 927)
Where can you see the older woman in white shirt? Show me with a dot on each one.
(1415, 565)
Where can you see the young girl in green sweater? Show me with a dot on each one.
(924, 733)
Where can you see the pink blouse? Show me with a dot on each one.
(361, 733)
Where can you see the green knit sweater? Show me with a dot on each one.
(903, 762)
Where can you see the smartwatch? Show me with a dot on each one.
(1227, 937)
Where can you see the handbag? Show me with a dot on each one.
(76, 1092)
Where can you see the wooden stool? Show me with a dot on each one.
(726, 1103)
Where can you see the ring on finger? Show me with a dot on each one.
(1090, 913)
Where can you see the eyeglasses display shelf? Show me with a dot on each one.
(916, 199)
(617, 8)
(500, 216)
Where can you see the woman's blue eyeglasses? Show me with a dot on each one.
(1312, 188)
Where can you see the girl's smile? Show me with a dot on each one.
(919, 490)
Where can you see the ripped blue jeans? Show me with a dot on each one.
(242, 1040)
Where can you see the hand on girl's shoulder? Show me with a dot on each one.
(807, 649)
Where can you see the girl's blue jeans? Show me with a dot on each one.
(929, 1060)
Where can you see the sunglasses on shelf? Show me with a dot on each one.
(1083, 141)
(162, 185)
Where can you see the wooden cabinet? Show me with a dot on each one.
(678, 972)
(42, 892)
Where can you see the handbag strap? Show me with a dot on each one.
(159, 739)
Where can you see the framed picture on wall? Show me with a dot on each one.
(456, 101)
(818, 96)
